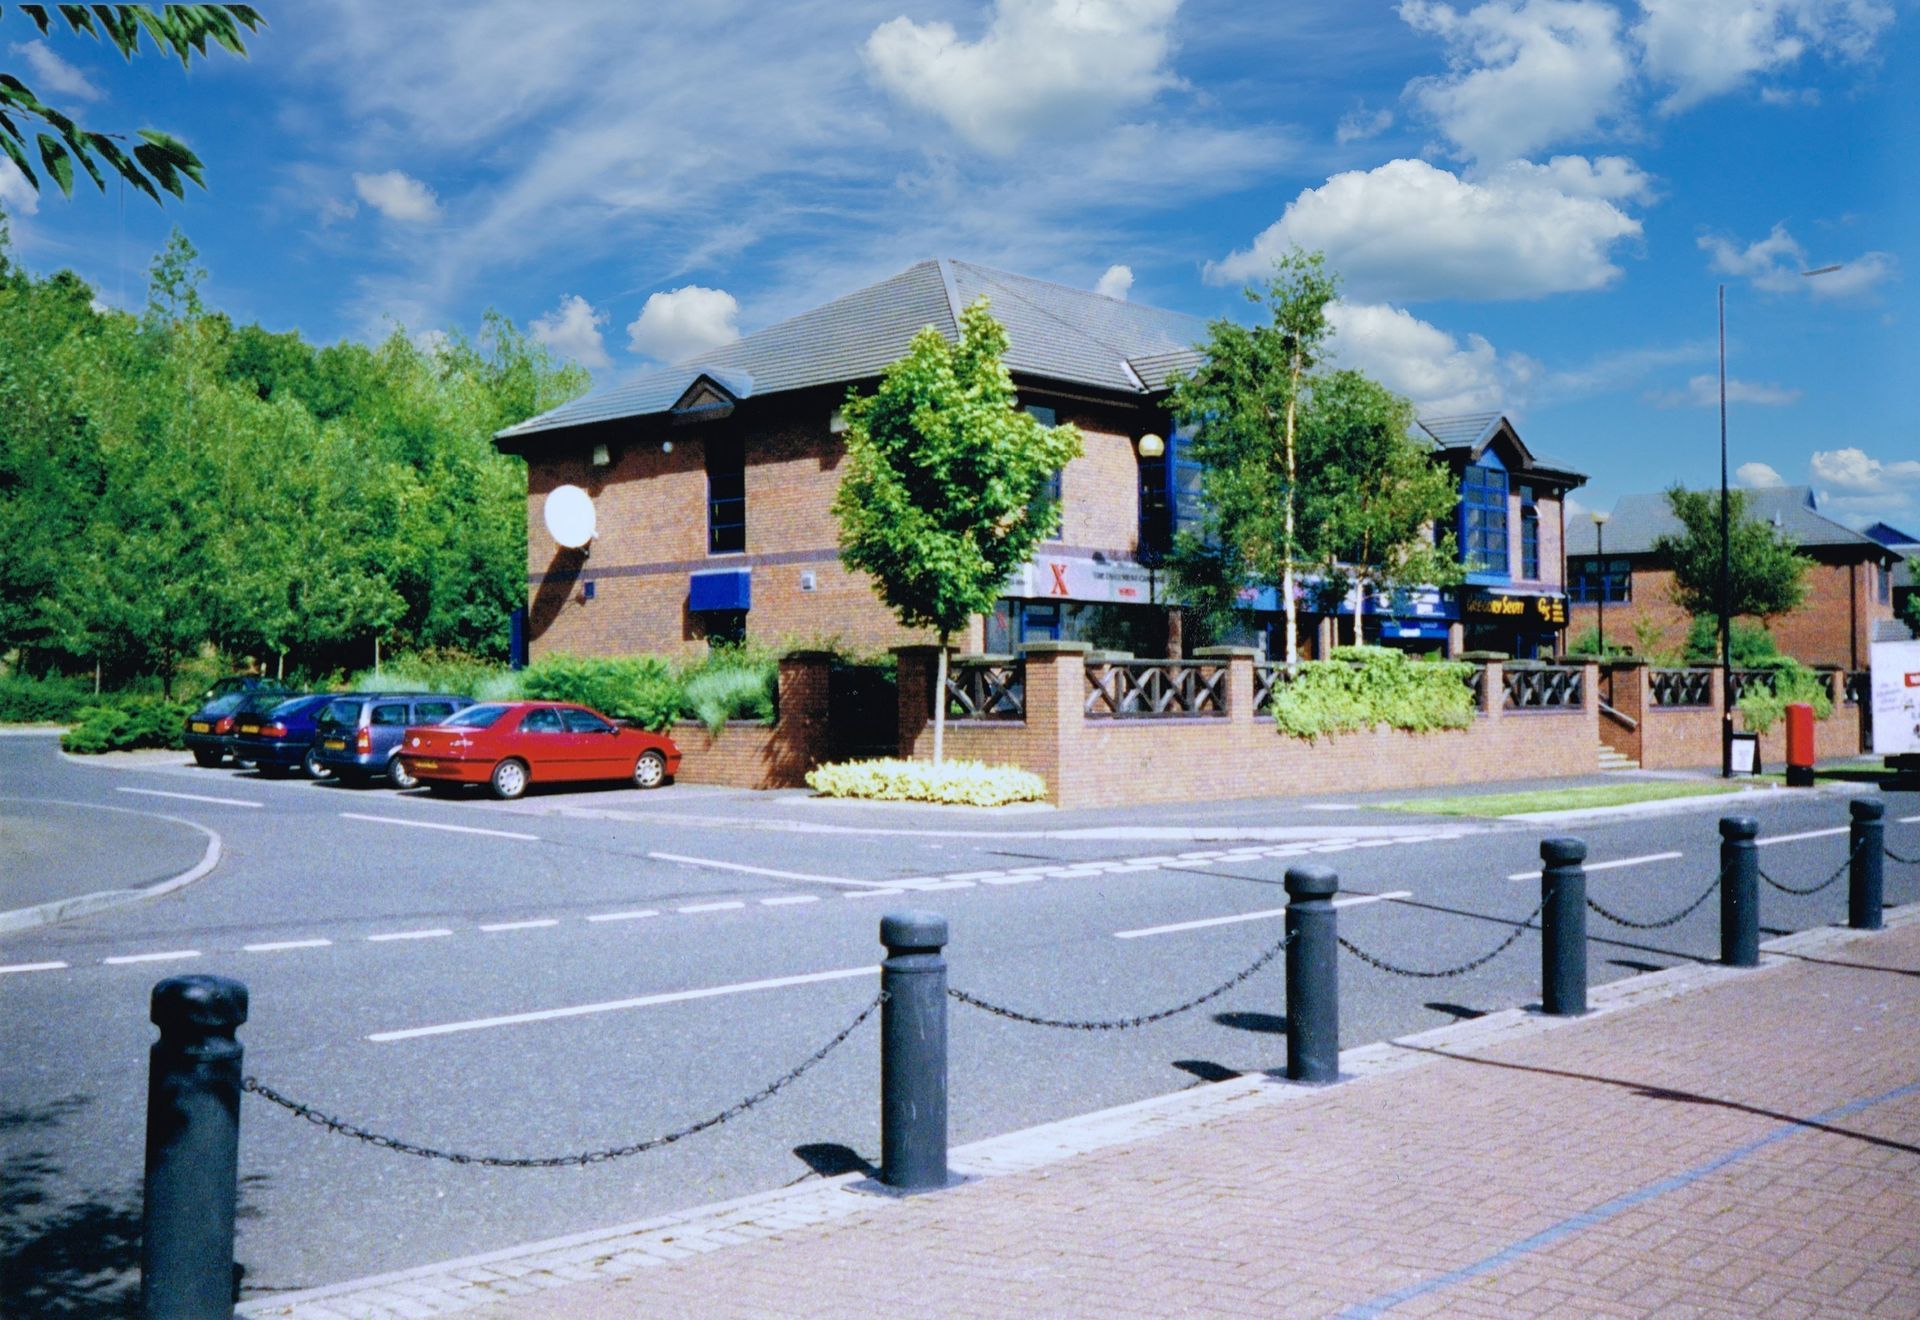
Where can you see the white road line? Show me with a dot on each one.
(192, 797)
(873, 893)
(762, 870)
(617, 1005)
(710, 907)
(277, 945)
(1266, 914)
(33, 967)
(1910, 820)
(1607, 866)
(1804, 834)
(435, 825)
(151, 957)
(942, 884)
(1013, 878)
(976, 875)
(436, 933)
(625, 916)
(789, 899)
(522, 925)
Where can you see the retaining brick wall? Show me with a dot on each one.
(1688, 737)
(748, 754)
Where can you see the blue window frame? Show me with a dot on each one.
(1483, 521)
(1529, 536)
(1172, 495)
(726, 496)
(1595, 580)
(1053, 493)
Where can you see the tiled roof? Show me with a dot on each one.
(1054, 332)
(1466, 432)
(1639, 520)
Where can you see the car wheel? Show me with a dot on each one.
(397, 774)
(650, 771)
(311, 765)
(509, 780)
(207, 758)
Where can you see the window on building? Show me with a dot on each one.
(1529, 536)
(726, 496)
(1885, 585)
(1594, 580)
(1172, 496)
(1053, 491)
(1483, 521)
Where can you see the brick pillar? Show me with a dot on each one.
(1495, 688)
(1239, 661)
(801, 733)
(916, 698)
(1056, 716)
(1590, 708)
(1628, 680)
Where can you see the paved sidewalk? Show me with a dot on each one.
(1707, 1143)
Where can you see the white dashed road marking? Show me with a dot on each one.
(151, 957)
(1804, 834)
(34, 967)
(625, 916)
(762, 870)
(617, 1005)
(1608, 866)
(711, 907)
(192, 797)
(1265, 914)
(788, 900)
(522, 925)
(279, 945)
(435, 825)
(434, 934)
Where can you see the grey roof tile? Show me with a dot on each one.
(1639, 520)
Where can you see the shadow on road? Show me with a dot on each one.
(75, 1259)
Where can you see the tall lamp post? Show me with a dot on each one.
(1600, 517)
(1151, 554)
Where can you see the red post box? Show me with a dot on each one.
(1799, 745)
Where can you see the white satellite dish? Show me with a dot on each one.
(570, 516)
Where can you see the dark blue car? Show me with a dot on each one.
(280, 741)
(357, 736)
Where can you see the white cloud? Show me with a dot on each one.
(398, 196)
(1359, 124)
(573, 331)
(1775, 263)
(1041, 65)
(1439, 372)
(1704, 48)
(1115, 283)
(1704, 392)
(1854, 470)
(51, 74)
(1522, 74)
(684, 323)
(1755, 475)
(17, 196)
(1409, 230)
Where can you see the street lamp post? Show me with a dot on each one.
(1600, 517)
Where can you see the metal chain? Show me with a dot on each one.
(1525, 925)
(582, 1158)
(1904, 861)
(1838, 871)
(1124, 1024)
(1673, 920)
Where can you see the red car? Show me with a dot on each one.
(508, 745)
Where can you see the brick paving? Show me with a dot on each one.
(1456, 1188)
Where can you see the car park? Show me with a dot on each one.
(281, 740)
(244, 683)
(358, 736)
(209, 730)
(508, 746)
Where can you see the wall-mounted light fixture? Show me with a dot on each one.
(837, 422)
(1152, 446)
(600, 456)
(666, 446)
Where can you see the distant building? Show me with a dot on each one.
(1907, 546)
(712, 482)
(1849, 590)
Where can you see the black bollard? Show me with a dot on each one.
(913, 1053)
(1313, 975)
(193, 1149)
(1563, 927)
(1739, 892)
(1866, 873)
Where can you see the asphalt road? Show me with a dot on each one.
(514, 979)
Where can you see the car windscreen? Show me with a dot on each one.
(474, 717)
(259, 703)
(222, 705)
(339, 715)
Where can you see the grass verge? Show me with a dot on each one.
(1565, 799)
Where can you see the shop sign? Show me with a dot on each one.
(1509, 607)
(1119, 581)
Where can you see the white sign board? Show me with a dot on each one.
(1121, 582)
(1896, 698)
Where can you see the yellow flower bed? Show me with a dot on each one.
(970, 783)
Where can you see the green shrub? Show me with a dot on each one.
(1751, 644)
(1362, 687)
(1761, 709)
(970, 783)
(641, 689)
(442, 670)
(25, 700)
(126, 723)
(736, 692)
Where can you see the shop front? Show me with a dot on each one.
(1526, 625)
(1113, 604)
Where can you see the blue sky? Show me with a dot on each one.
(1531, 201)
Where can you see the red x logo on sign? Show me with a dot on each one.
(1059, 580)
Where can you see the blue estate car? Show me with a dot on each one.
(281, 740)
(358, 736)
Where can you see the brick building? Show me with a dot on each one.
(712, 482)
(1849, 596)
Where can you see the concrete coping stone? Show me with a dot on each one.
(1059, 648)
(1226, 653)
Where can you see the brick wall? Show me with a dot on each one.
(1113, 762)
(1688, 737)
(747, 754)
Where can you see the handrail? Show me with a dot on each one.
(1620, 716)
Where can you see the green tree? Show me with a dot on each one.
(158, 158)
(945, 490)
(1242, 404)
(1766, 576)
(1372, 494)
